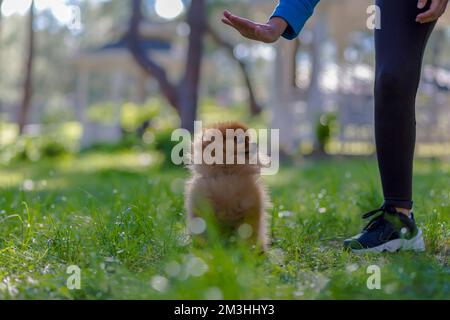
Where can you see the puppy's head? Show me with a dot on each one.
(226, 147)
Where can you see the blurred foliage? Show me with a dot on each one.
(57, 113)
(128, 142)
(134, 116)
(104, 113)
(163, 143)
(34, 148)
(212, 111)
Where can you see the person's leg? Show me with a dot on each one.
(400, 44)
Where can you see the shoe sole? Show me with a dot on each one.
(413, 244)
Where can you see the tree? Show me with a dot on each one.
(184, 95)
(27, 85)
(188, 88)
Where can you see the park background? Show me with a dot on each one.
(90, 92)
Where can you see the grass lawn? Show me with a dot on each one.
(119, 217)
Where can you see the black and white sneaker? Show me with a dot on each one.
(388, 230)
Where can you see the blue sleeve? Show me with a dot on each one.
(295, 13)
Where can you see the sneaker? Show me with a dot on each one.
(388, 230)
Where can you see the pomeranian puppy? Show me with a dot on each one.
(231, 191)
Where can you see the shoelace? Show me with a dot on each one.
(384, 209)
(377, 220)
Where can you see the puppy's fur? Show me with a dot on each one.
(234, 193)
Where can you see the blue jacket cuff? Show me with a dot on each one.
(295, 13)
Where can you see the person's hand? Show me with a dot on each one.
(266, 32)
(436, 10)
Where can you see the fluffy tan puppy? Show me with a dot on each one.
(234, 193)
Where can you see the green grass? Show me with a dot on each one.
(119, 217)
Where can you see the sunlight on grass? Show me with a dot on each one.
(8, 178)
(123, 160)
(8, 133)
(119, 216)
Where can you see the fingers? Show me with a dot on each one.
(238, 22)
(248, 28)
(227, 14)
(245, 27)
(435, 11)
(242, 23)
(421, 4)
(442, 8)
(226, 21)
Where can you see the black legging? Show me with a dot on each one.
(400, 44)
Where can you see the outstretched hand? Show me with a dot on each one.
(437, 9)
(265, 32)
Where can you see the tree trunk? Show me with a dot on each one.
(28, 82)
(184, 97)
(149, 66)
(189, 85)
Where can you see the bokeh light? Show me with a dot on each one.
(169, 9)
(62, 12)
(11, 7)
